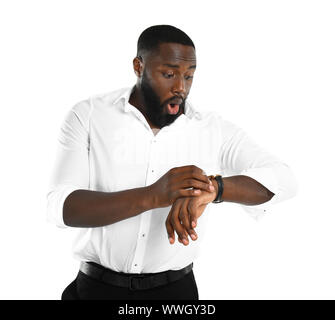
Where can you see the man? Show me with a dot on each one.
(130, 174)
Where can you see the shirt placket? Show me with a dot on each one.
(145, 217)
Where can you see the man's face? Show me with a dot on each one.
(166, 82)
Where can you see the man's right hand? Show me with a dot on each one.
(178, 182)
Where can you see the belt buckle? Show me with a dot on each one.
(131, 286)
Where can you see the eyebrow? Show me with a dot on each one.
(176, 66)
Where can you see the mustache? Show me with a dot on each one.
(175, 100)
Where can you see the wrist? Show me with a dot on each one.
(150, 200)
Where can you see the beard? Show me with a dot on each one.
(154, 108)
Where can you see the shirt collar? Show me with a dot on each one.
(125, 93)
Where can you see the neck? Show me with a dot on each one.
(136, 99)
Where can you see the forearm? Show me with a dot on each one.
(244, 190)
(85, 208)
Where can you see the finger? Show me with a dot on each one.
(169, 229)
(185, 220)
(187, 193)
(192, 211)
(196, 184)
(188, 168)
(181, 232)
(191, 171)
(169, 223)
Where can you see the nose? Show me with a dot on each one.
(179, 87)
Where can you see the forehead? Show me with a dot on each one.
(173, 52)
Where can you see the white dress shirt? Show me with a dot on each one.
(106, 144)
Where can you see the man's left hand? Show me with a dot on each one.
(183, 216)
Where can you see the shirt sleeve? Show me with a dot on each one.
(241, 155)
(71, 168)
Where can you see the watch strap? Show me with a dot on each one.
(220, 183)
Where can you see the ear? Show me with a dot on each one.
(138, 66)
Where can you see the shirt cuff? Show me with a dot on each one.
(55, 202)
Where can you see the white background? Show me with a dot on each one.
(267, 66)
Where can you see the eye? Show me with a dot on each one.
(189, 77)
(168, 75)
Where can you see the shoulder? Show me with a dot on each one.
(209, 117)
(110, 98)
(85, 107)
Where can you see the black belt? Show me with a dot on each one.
(133, 281)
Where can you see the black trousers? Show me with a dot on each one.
(87, 288)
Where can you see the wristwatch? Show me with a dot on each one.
(219, 181)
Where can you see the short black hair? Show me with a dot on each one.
(153, 36)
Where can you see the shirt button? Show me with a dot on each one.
(135, 265)
(143, 234)
(152, 170)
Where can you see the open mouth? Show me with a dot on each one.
(172, 108)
